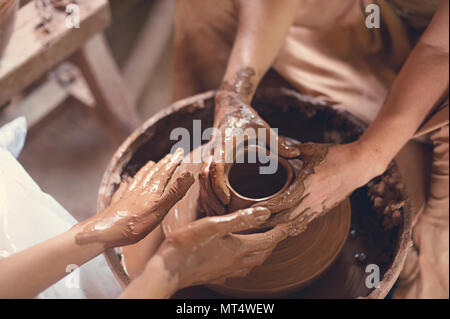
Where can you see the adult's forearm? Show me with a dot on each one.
(26, 274)
(418, 88)
(262, 28)
(421, 84)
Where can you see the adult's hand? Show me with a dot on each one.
(233, 119)
(329, 174)
(209, 250)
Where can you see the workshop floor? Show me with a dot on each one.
(69, 154)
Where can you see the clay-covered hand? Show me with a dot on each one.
(209, 250)
(233, 117)
(329, 174)
(139, 206)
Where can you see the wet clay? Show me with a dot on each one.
(302, 118)
(248, 185)
(285, 204)
(387, 193)
(233, 116)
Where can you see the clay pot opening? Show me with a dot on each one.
(247, 180)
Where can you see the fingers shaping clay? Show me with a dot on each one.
(296, 261)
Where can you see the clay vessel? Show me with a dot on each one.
(239, 177)
(8, 9)
(294, 264)
(302, 118)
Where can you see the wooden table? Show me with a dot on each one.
(96, 81)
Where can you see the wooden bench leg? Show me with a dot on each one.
(113, 101)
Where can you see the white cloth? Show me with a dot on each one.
(12, 136)
(29, 216)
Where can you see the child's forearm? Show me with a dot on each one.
(27, 273)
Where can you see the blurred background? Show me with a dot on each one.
(67, 153)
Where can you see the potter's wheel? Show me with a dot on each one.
(295, 263)
(303, 118)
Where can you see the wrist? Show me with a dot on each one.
(371, 157)
(227, 99)
(96, 248)
(242, 82)
(155, 282)
(225, 102)
(229, 103)
(164, 282)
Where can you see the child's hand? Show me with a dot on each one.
(140, 206)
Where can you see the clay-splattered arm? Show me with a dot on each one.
(207, 251)
(262, 28)
(141, 207)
